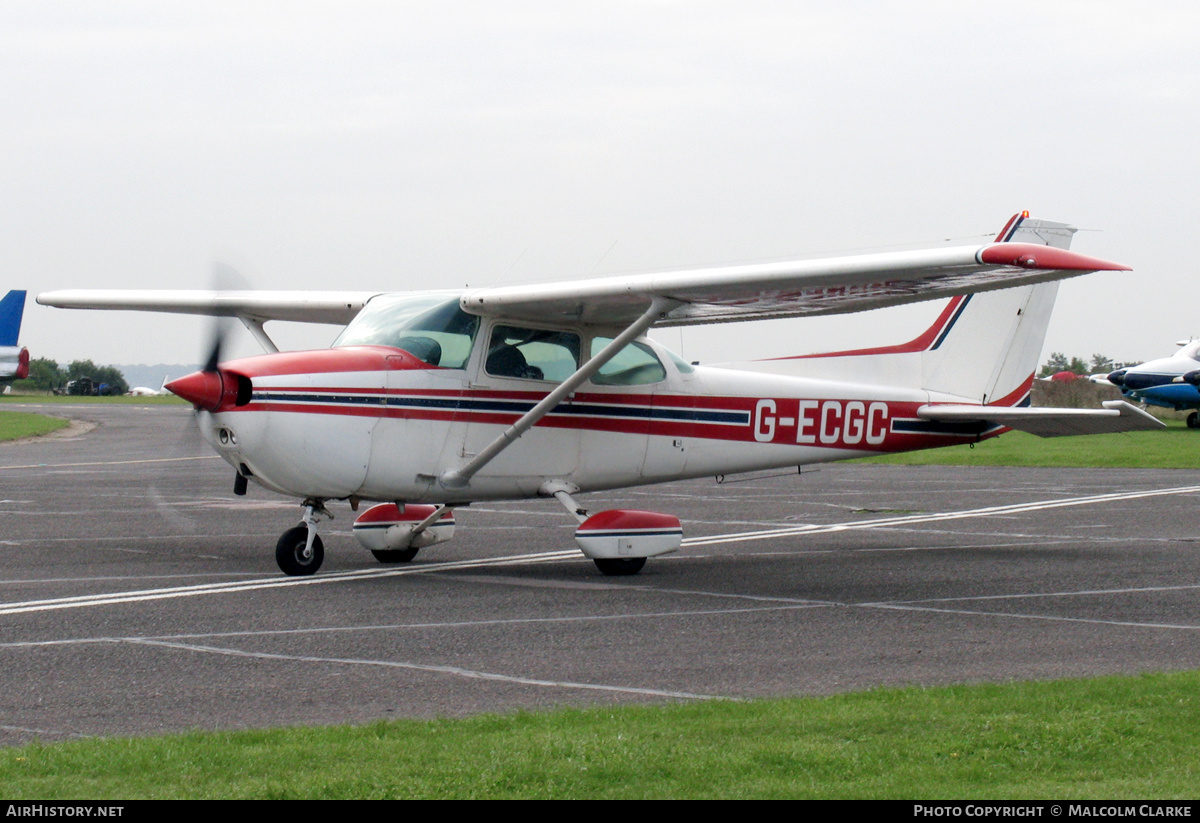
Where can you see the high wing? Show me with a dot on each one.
(334, 307)
(805, 288)
(800, 288)
(1116, 416)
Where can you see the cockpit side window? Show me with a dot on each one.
(532, 354)
(432, 328)
(634, 365)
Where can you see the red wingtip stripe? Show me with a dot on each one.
(1031, 256)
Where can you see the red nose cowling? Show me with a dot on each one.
(203, 389)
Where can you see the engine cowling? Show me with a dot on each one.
(388, 527)
(619, 533)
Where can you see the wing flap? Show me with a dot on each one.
(1116, 416)
(333, 307)
(800, 288)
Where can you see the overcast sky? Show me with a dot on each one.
(397, 145)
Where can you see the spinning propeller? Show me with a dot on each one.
(210, 388)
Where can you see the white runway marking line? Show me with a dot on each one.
(111, 598)
(926, 606)
(1047, 617)
(449, 624)
(423, 667)
(884, 522)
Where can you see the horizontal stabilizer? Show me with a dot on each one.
(1116, 416)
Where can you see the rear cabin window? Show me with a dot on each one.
(634, 365)
(532, 354)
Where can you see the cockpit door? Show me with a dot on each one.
(519, 367)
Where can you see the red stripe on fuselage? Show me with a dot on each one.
(854, 425)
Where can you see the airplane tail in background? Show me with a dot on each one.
(12, 307)
(983, 348)
(14, 361)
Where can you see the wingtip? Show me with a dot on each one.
(1031, 256)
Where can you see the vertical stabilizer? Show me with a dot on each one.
(990, 352)
(12, 307)
(983, 348)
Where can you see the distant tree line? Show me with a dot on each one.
(80, 377)
(1099, 364)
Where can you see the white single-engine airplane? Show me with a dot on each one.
(431, 400)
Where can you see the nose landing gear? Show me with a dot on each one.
(300, 551)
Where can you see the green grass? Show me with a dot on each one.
(1116, 737)
(1175, 447)
(14, 425)
(119, 400)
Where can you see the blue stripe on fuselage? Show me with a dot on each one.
(466, 404)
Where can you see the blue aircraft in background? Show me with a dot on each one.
(1173, 382)
(14, 360)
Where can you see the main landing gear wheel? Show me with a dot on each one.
(290, 554)
(619, 566)
(1193, 420)
(395, 555)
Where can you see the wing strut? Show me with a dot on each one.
(659, 307)
(255, 327)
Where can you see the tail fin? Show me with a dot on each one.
(983, 348)
(12, 307)
(988, 352)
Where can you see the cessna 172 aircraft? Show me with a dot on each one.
(431, 400)
(1172, 382)
(14, 360)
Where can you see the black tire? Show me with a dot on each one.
(1193, 420)
(619, 566)
(395, 555)
(289, 553)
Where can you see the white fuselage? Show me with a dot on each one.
(391, 432)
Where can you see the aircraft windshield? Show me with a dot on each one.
(430, 327)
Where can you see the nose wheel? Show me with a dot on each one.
(295, 556)
(300, 551)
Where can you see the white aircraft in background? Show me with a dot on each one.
(1172, 382)
(431, 400)
(14, 359)
(146, 391)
